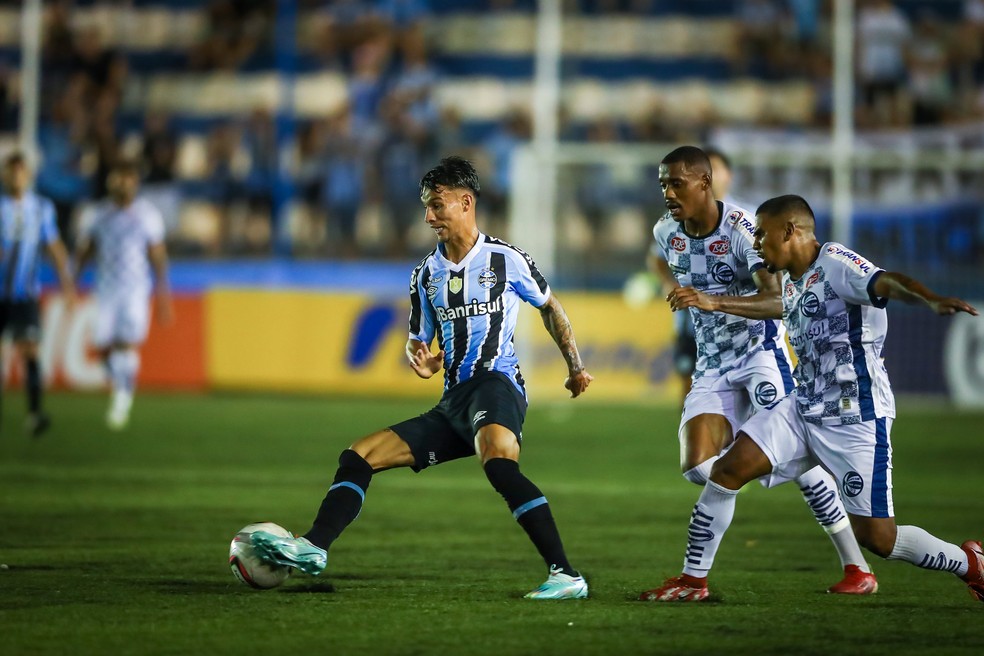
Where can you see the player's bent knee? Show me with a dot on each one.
(496, 441)
(384, 450)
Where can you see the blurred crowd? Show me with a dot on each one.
(354, 173)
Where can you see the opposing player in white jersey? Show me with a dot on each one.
(127, 239)
(466, 294)
(840, 416)
(27, 228)
(742, 363)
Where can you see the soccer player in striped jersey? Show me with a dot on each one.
(126, 236)
(742, 363)
(466, 294)
(28, 226)
(840, 416)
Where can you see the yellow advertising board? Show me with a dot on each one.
(627, 349)
(352, 343)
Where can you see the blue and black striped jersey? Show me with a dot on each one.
(472, 307)
(27, 225)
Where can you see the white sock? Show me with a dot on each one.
(123, 368)
(820, 493)
(710, 519)
(928, 551)
(701, 472)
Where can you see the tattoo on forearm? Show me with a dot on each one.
(559, 326)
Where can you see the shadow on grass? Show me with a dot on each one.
(198, 587)
(323, 587)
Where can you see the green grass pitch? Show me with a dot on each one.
(117, 543)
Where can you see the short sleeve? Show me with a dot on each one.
(526, 279)
(49, 226)
(851, 276)
(422, 320)
(86, 227)
(153, 225)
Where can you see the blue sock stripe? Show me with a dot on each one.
(362, 493)
(528, 506)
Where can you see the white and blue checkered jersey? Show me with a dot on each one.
(837, 328)
(122, 236)
(472, 307)
(27, 226)
(721, 263)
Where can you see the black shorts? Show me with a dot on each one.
(447, 431)
(22, 319)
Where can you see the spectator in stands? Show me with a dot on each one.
(367, 84)
(406, 146)
(760, 27)
(513, 130)
(348, 149)
(929, 72)
(882, 34)
(236, 31)
(598, 195)
(158, 154)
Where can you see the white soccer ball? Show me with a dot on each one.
(247, 566)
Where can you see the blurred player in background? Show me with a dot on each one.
(840, 416)
(28, 226)
(466, 293)
(742, 363)
(126, 236)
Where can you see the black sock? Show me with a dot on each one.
(33, 386)
(530, 508)
(343, 501)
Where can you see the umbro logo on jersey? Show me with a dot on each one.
(479, 416)
(679, 244)
(454, 284)
(812, 280)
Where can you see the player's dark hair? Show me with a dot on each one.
(790, 204)
(16, 157)
(691, 156)
(452, 173)
(126, 166)
(712, 151)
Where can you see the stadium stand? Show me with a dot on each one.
(382, 87)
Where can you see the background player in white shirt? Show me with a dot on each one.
(28, 227)
(742, 363)
(127, 239)
(840, 416)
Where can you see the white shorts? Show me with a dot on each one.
(121, 318)
(763, 377)
(858, 456)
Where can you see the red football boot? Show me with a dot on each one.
(680, 588)
(855, 582)
(975, 569)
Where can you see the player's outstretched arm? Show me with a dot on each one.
(559, 326)
(764, 304)
(424, 363)
(900, 287)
